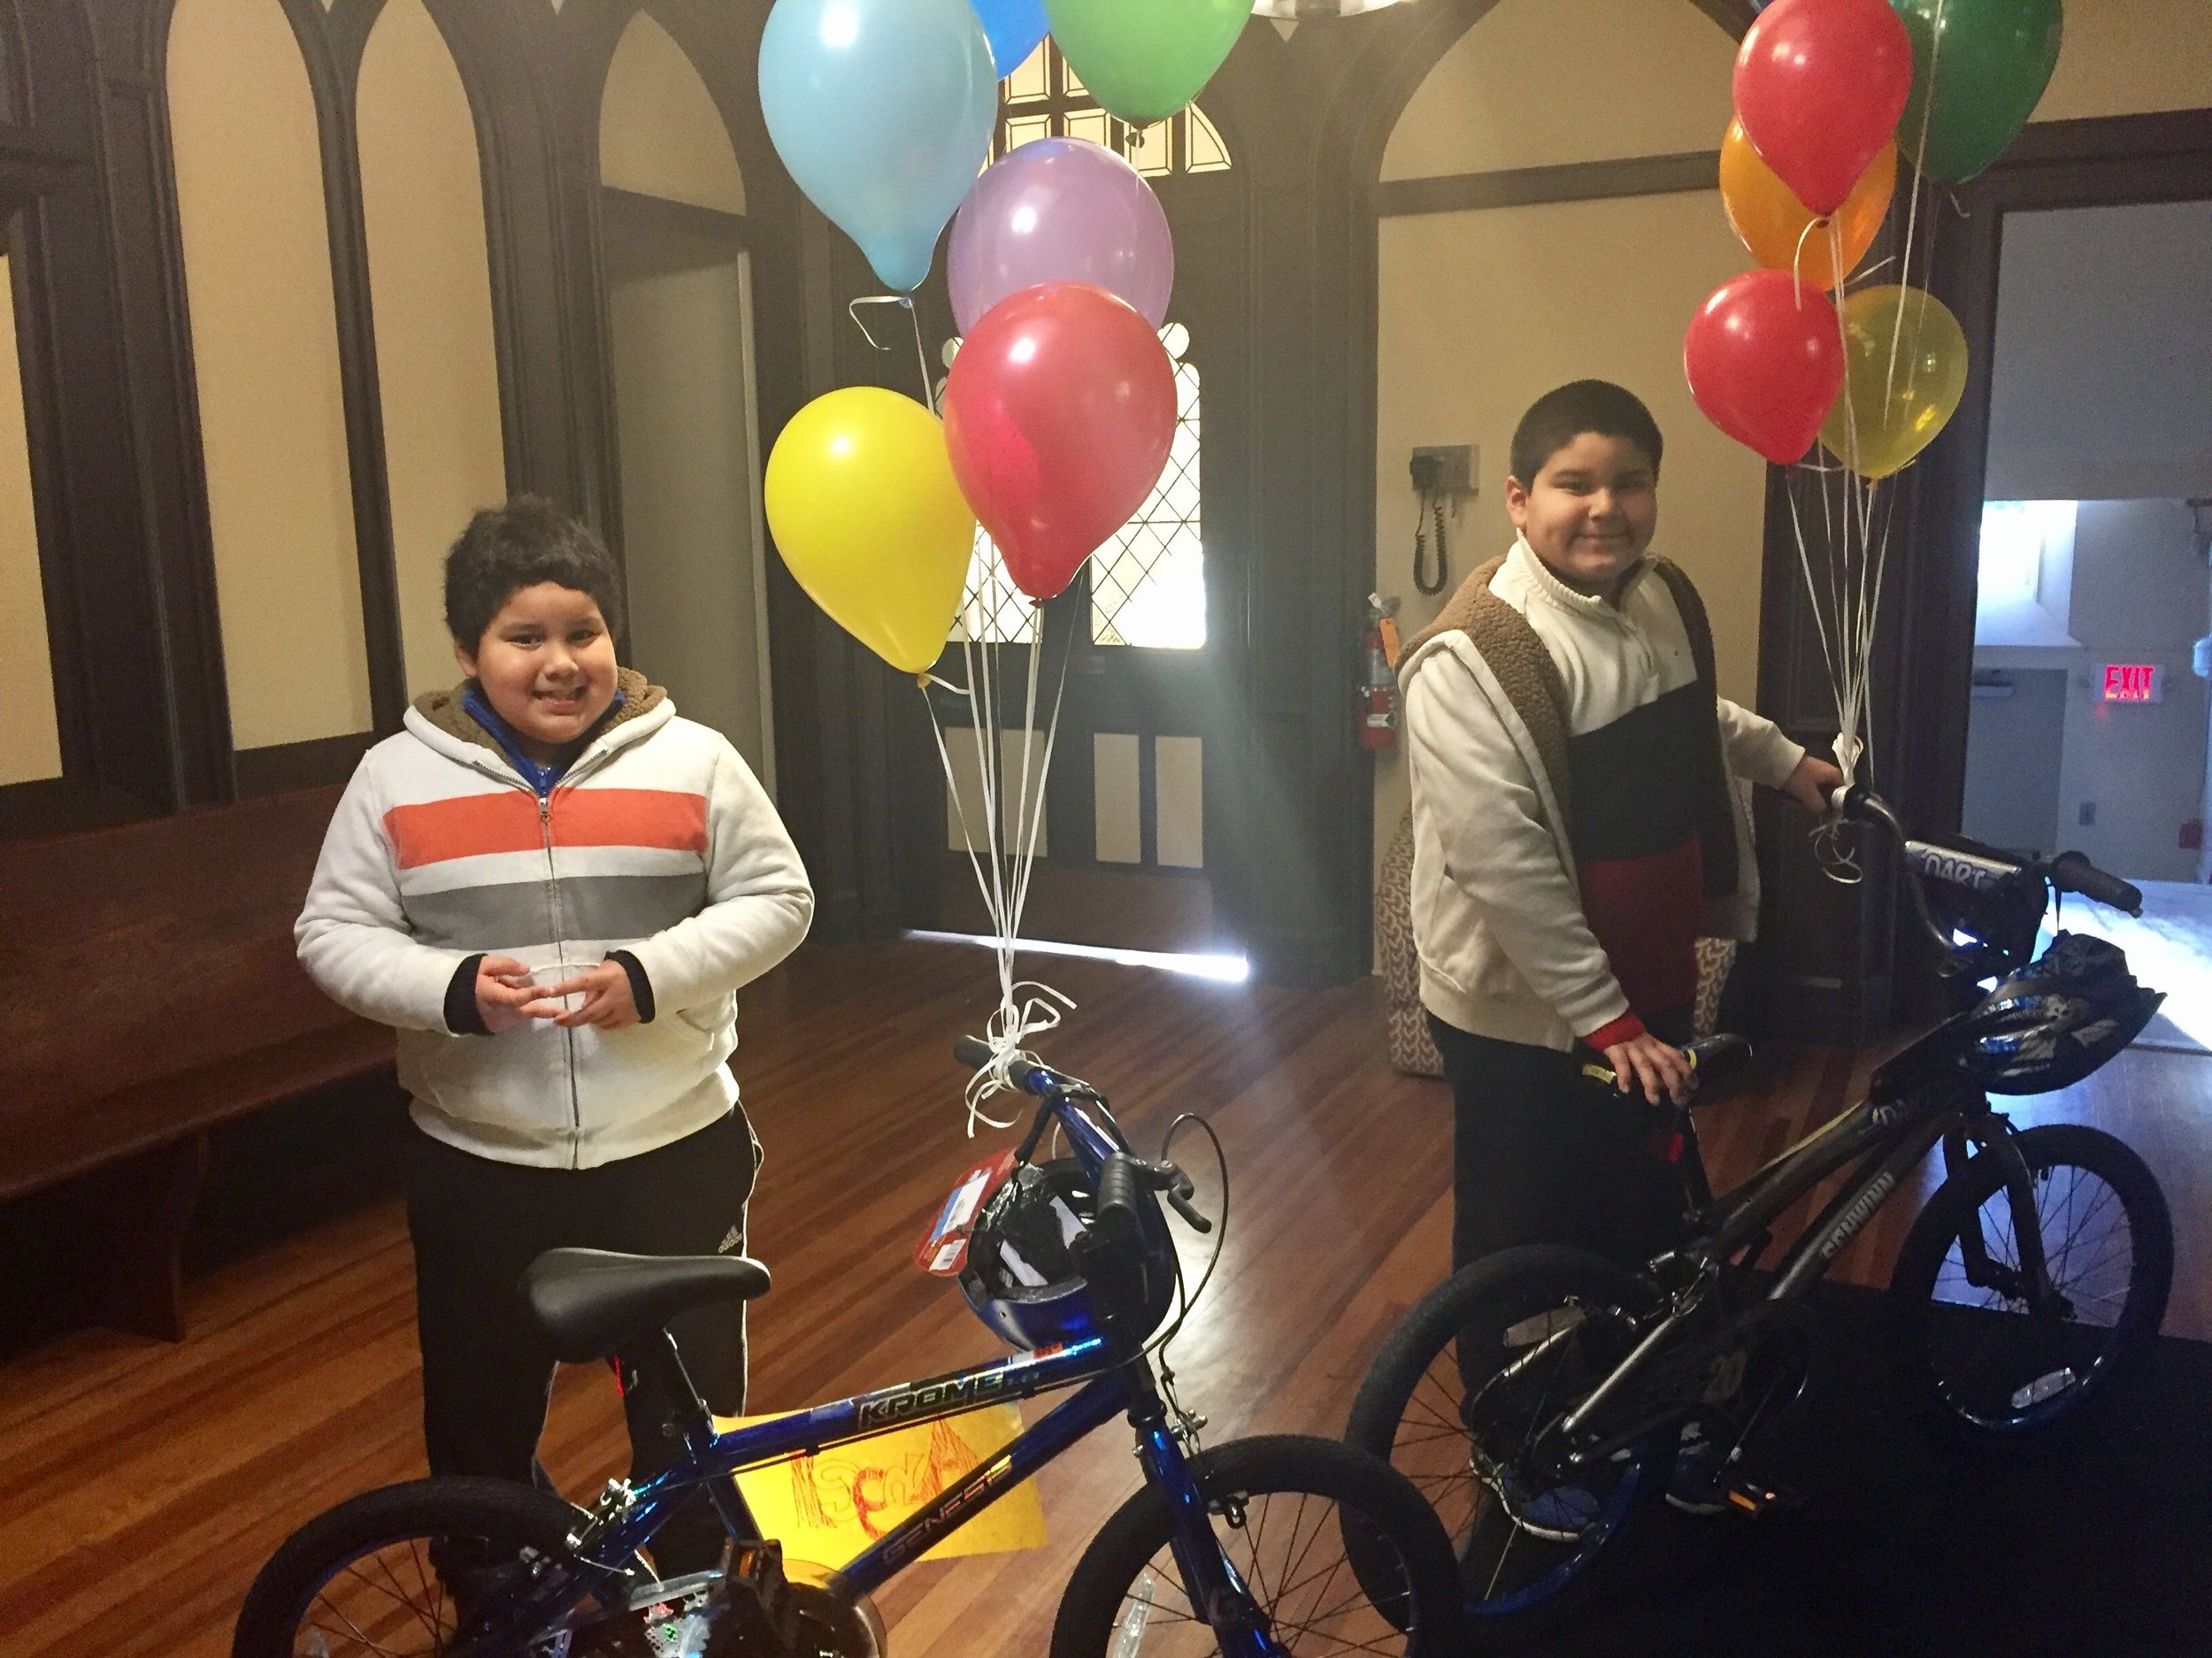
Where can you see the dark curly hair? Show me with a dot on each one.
(1564, 413)
(507, 548)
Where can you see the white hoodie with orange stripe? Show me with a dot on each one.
(657, 841)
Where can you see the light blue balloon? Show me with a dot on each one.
(883, 110)
(1015, 29)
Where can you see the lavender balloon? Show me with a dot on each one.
(1060, 210)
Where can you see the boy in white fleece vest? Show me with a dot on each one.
(553, 812)
(1575, 829)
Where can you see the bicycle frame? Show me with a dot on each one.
(1885, 1137)
(1111, 1380)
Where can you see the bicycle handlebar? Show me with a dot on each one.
(1979, 870)
(2072, 872)
(1123, 1178)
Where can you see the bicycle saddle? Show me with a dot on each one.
(591, 1300)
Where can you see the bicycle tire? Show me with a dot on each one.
(1411, 1410)
(2016, 1403)
(1109, 1605)
(494, 1519)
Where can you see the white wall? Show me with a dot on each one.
(2140, 595)
(1482, 312)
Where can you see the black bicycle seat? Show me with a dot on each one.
(591, 1300)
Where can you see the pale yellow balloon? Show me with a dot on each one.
(1904, 370)
(863, 507)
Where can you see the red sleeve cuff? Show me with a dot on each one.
(1627, 1028)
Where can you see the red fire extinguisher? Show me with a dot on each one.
(1378, 678)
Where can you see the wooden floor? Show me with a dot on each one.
(145, 1483)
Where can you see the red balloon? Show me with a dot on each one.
(1764, 360)
(1059, 412)
(1819, 86)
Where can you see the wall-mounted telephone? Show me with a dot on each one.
(1437, 473)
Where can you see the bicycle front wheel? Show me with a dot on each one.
(1284, 1507)
(1971, 1351)
(1470, 1389)
(420, 1569)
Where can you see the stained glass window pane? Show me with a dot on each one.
(993, 610)
(1022, 129)
(1149, 151)
(1094, 124)
(1028, 81)
(1202, 149)
(1148, 583)
(1072, 83)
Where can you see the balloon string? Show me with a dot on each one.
(1797, 260)
(1912, 208)
(1027, 1006)
(921, 356)
(852, 310)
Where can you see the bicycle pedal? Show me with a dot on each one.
(1752, 1498)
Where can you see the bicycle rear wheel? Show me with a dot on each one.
(1971, 1357)
(1286, 1511)
(1468, 1384)
(413, 1570)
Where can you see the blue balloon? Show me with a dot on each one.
(1015, 29)
(882, 110)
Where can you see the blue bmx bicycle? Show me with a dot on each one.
(1246, 1550)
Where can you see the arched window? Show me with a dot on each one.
(265, 354)
(1045, 98)
(437, 371)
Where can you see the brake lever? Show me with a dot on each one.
(1171, 1183)
(1180, 1196)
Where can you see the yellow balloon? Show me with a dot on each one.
(1904, 368)
(864, 508)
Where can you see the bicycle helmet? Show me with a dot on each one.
(2059, 1019)
(1024, 1275)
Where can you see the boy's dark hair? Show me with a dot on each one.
(1562, 415)
(507, 548)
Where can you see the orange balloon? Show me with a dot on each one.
(1770, 221)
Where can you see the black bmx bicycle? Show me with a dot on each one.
(1538, 1397)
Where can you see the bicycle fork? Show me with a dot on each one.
(1216, 1592)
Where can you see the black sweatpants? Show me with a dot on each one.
(1539, 1155)
(486, 1372)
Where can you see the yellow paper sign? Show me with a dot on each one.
(828, 1509)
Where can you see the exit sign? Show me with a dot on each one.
(2133, 682)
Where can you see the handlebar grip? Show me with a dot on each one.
(1119, 1192)
(1715, 1058)
(2072, 872)
(972, 1052)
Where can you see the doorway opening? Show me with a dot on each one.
(2088, 724)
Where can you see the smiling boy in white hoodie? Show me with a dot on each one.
(553, 812)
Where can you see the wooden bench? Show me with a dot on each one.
(147, 993)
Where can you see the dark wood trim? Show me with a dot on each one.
(1527, 187)
(680, 216)
(57, 805)
(2113, 161)
(282, 767)
(331, 44)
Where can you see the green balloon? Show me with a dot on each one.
(1976, 86)
(1145, 59)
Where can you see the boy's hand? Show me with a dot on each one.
(1812, 784)
(503, 994)
(607, 1002)
(1656, 1067)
